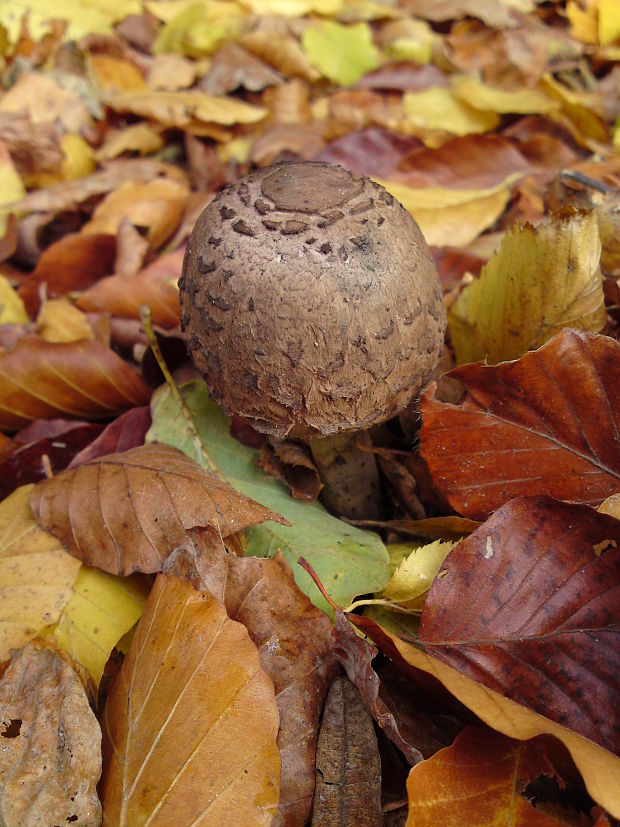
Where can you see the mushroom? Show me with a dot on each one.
(313, 309)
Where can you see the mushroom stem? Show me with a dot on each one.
(350, 476)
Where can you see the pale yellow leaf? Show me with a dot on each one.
(12, 310)
(294, 8)
(79, 160)
(611, 506)
(82, 18)
(171, 72)
(178, 109)
(196, 31)
(409, 39)
(453, 217)
(167, 10)
(37, 576)
(524, 101)
(438, 109)
(584, 111)
(139, 137)
(411, 581)
(608, 22)
(102, 610)
(61, 321)
(542, 279)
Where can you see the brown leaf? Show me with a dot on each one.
(348, 767)
(300, 140)
(82, 379)
(291, 462)
(430, 528)
(403, 76)
(50, 761)
(127, 431)
(126, 512)
(294, 645)
(373, 151)
(546, 423)
(232, 67)
(190, 724)
(528, 605)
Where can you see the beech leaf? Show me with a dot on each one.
(190, 724)
(84, 380)
(126, 512)
(50, 761)
(343, 54)
(546, 423)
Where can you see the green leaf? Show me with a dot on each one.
(343, 54)
(348, 561)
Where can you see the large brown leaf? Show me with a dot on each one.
(82, 380)
(295, 647)
(190, 724)
(529, 606)
(126, 512)
(546, 423)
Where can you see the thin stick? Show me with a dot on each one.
(146, 317)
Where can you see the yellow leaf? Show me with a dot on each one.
(11, 186)
(178, 109)
(82, 19)
(583, 109)
(194, 32)
(113, 74)
(542, 279)
(293, 8)
(157, 206)
(46, 102)
(438, 109)
(411, 581)
(611, 506)
(599, 768)
(79, 160)
(608, 21)
(139, 137)
(102, 610)
(583, 21)
(409, 39)
(343, 54)
(167, 10)
(37, 575)
(453, 217)
(61, 321)
(171, 72)
(282, 51)
(480, 95)
(12, 310)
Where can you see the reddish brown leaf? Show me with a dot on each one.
(294, 645)
(50, 760)
(84, 379)
(291, 462)
(528, 606)
(127, 431)
(373, 151)
(546, 423)
(403, 76)
(232, 67)
(126, 512)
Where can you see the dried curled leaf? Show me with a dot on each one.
(547, 423)
(50, 761)
(126, 512)
(190, 724)
(37, 576)
(83, 380)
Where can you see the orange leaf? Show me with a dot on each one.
(82, 380)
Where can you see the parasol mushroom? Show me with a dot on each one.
(313, 308)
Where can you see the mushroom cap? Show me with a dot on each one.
(310, 301)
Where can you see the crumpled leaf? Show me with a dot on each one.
(543, 279)
(190, 702)
(232, 67)
(102, 609)
(412, 579)
(126, 512)
(348, 766)
(37, 576)
(50, 761)
(547, 423)
(349, 561)
(480, 779)
(294, 641)
(343, 54)
(85, 380)
(282, 51)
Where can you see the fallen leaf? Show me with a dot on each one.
(126, 431)
(85, 380)
(453, 217)
(349, 561)
(116, 74)
(190, 702)
(343, 54)
(495, 15)
(547, 423)
(233, 67)
(430, 528)
(12, 310)
(373, 151)
(580, 109)
(282, 51)
(45, 101)
(291, 463)
(543, 279)
(403, 76)
(348, 767)
(11, 186)
(611, 506)
(437, 109)
(102, 609)
(295, 648)
(127, 512)
(50, 760)
(196, 29)
(411, 581)
(480, 779)
(157, 206)
(37, 576)
(82, 18)
(524, 101)
(61, 321)
(171, 72)
(139, 137)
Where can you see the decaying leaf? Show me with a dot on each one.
(542, 280)
(294, 645)
(84, 379)
(480, 780)
(50, 760)
(547, 423)
(190, 724)
(37, 576)
(348, 767)
(127, 512)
